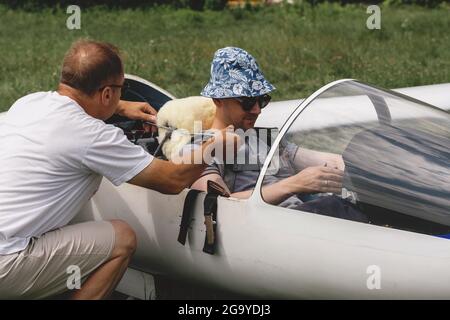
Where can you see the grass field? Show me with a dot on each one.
(299, 48)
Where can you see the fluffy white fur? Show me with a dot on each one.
(187, 115)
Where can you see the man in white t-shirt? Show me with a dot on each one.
(55, 148)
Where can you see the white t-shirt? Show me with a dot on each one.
(52, 158)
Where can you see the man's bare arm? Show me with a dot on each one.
(168, 177)
(273, 193)
(305, 158)
(172, 177)
(310, 180)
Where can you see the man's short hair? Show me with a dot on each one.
(90, 64)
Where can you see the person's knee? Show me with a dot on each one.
(126, 242)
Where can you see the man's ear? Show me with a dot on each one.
(106, 95)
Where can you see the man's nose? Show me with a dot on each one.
(256, 108)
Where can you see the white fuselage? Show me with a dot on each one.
(269, 253)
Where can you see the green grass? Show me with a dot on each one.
(299, 48)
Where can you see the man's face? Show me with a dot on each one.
(234, 114)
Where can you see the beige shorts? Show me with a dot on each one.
(50, 264)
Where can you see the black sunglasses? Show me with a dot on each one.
(124, 87)
(247, 103)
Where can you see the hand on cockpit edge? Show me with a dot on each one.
(138, 111)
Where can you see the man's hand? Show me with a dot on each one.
(316, 179)
(138, 111)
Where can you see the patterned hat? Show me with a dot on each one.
(235, 73)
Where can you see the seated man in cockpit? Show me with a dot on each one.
(239, 91)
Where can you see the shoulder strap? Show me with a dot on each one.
(187, 215)
(210, 212)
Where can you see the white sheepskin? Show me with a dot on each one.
(187, 115)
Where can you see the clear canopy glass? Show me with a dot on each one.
(394, 153)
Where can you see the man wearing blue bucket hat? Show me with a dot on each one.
(235, 74)
(240, 91)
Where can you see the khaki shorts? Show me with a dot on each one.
(49, 264)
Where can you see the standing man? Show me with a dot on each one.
(55, 148)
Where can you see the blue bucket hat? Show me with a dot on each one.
(235, 73)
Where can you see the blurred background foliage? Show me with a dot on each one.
(196, 4)
(299, 47)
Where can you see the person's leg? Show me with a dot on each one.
(334, 206)
(91, 254)
(101, 283)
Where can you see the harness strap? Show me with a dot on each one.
(187, 215)
(210, 213)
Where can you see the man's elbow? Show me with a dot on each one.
(176, 179)
(175, 186)
(169, 188)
